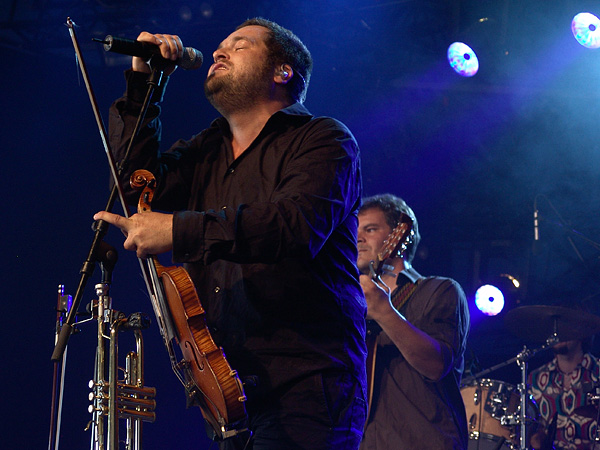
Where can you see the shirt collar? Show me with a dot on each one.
(408, 274)
(296, 111)
(586, 362)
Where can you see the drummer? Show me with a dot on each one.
(560, 389)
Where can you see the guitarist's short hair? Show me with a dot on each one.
(393, 207)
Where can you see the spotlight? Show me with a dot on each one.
(463, 59)
(516, 283)
(489, 300)
(586, 29)
(500, 291)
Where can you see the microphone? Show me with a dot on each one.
(536, 246)
(536, 233)
(192, 59)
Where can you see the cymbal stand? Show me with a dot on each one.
(522, 358)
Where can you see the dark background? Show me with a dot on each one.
(471, 155)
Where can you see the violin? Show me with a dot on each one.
(210, 381)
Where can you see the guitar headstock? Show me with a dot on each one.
(397, 241)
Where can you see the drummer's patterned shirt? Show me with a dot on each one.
(574, 430)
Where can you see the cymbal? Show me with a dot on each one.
(537, 323)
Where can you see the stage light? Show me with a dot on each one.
(516, 283)
(489, 300)
(586, 29)
(463, 59)
(497, 293)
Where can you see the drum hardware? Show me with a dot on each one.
(493, 414)
(538, 323)
(505, 404)
(592, 393)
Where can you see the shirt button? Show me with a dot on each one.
(217, 290)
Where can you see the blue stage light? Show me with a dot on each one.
(463, 59)
(586, 29)
(489, 300)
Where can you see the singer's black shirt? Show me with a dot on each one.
(269, 238)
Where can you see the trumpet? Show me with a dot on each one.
(113, 398)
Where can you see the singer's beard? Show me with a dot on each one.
(230, 93)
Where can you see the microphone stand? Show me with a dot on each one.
(101, 227)
(563, 224)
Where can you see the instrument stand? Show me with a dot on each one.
(107, 256)
(521, 359)
(64, 305)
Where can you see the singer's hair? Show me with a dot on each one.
(286, 48)
(393, 207)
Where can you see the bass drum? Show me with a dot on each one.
(493, 409)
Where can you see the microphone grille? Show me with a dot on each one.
(192, 59)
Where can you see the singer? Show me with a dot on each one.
(264, 217)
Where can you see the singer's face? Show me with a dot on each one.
(241, 72)
(372, 231)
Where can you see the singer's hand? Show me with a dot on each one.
(149, 233)
(170, 46)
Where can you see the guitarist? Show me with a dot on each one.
(423, 325)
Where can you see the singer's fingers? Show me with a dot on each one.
(139, 64)
(114, 219)
(144, 36)
(171, 46)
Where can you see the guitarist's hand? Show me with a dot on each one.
(377, 295)
(421, 351)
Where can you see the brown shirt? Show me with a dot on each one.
(409, 411)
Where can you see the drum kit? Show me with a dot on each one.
(501, 416)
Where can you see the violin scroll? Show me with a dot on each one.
(145, 180)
